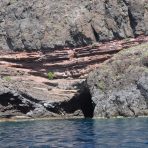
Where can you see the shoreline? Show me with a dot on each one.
(64, 118)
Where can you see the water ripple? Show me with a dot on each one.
(80, 133)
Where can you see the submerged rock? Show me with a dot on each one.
(120, 86)
(47, 24)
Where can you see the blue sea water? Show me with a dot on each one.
(76, 133)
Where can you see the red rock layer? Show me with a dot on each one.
(68, 62)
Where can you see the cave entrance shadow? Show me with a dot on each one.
(15, 103)
(81, 101)
(87, 105)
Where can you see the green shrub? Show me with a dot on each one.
(50, 75)
(7, 78)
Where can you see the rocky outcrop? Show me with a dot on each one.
(45, 55)
(26, 91)
(27, 97)
(67, 62)
(120, 86)
(47, 24)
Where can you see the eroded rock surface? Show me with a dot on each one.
(27, 97)
(56, 36)
(26, 90)
(120, 86)
(46, 24)
(68, 62)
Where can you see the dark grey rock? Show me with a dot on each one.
(34, 100)
(46, 24)
(120, 86)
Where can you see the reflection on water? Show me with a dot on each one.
(79, 133)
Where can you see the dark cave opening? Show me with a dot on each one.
(8, 98)
(81, 101)
(86, 104)
(9, 101)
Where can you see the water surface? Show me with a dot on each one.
(78, 133)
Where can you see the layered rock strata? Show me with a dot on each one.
(48, 47)
(68, 62)
(26, 97)
(27, 92)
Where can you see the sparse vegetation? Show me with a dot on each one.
(51, 75)
(101, 85)
(7, 78)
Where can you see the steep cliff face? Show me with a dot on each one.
(117, 87)
(67, 25)
(67, 62)
(46, 24)
(120, 86)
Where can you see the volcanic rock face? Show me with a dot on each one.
(46, 24)
(56, 36)
(25, 98)
(120, 86)
(68, 62)
(25, 89)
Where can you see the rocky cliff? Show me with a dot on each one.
(117, 87)
(47, 24)
(67, 62)
(48, 48)
(120, 86)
